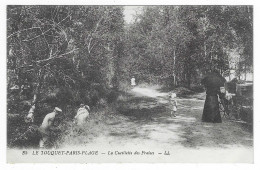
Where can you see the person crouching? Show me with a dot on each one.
(82, 115)
(45, 128)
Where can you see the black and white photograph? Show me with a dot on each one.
(129, 84)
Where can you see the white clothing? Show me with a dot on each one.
(47, 122)
(173, 102)
(81, 116)
(44, 129)
(133, 82)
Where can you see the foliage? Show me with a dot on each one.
(67, 55)
(182, 43)
(50, 47)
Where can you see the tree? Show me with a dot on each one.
(181, 43)
(63, 46)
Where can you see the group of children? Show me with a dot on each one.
(47, 123)
(79, 119)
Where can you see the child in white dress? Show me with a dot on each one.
(82, 115)
(173, 104)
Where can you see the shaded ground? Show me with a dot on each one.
(144, 120)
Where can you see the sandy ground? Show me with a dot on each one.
(140, 122)
(143, 122)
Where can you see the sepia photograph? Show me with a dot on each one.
(129, 84)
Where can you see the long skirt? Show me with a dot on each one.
(211, 111)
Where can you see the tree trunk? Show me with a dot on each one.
(38, 88)
(174, 65)
(36, 94)
(205, 49)
(189, 79)
(245, 71)
(229, 77)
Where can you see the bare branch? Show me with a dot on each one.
(46, 60)
(24, 66)
(64, 19)
(22, 31)
(60, 56)
(48, 29)
(90, 38)
(63, 74)
(37, 35)
(90, 34)
(92, 47)
(46, 40)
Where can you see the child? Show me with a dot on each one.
(82, 114)
(133, 82)
(173, 103)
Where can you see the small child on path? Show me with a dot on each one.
(173, 103)
(133, 82)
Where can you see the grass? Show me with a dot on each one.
(140, 119)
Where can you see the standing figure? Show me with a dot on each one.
(213, 81)
(133, 81)
(45, 128)
(173, 104)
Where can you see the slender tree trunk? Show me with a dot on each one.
(38, 87)
(245, 71)
(229, 77)
(189, 79)
(174, 65)
(239, 68)
(229, 70)
(205, 49)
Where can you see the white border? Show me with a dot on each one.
(128, 166)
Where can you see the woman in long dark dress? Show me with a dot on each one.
(212, 82)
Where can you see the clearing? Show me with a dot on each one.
(144, 124)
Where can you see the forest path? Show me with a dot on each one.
(145, 123)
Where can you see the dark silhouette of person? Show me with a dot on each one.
(212, 81)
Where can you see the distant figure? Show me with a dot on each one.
(133, 81)
(173, 104)
(44, 129)
(82, 115)
(212, 81)
(30, 117)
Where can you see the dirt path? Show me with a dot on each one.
(144, 122)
